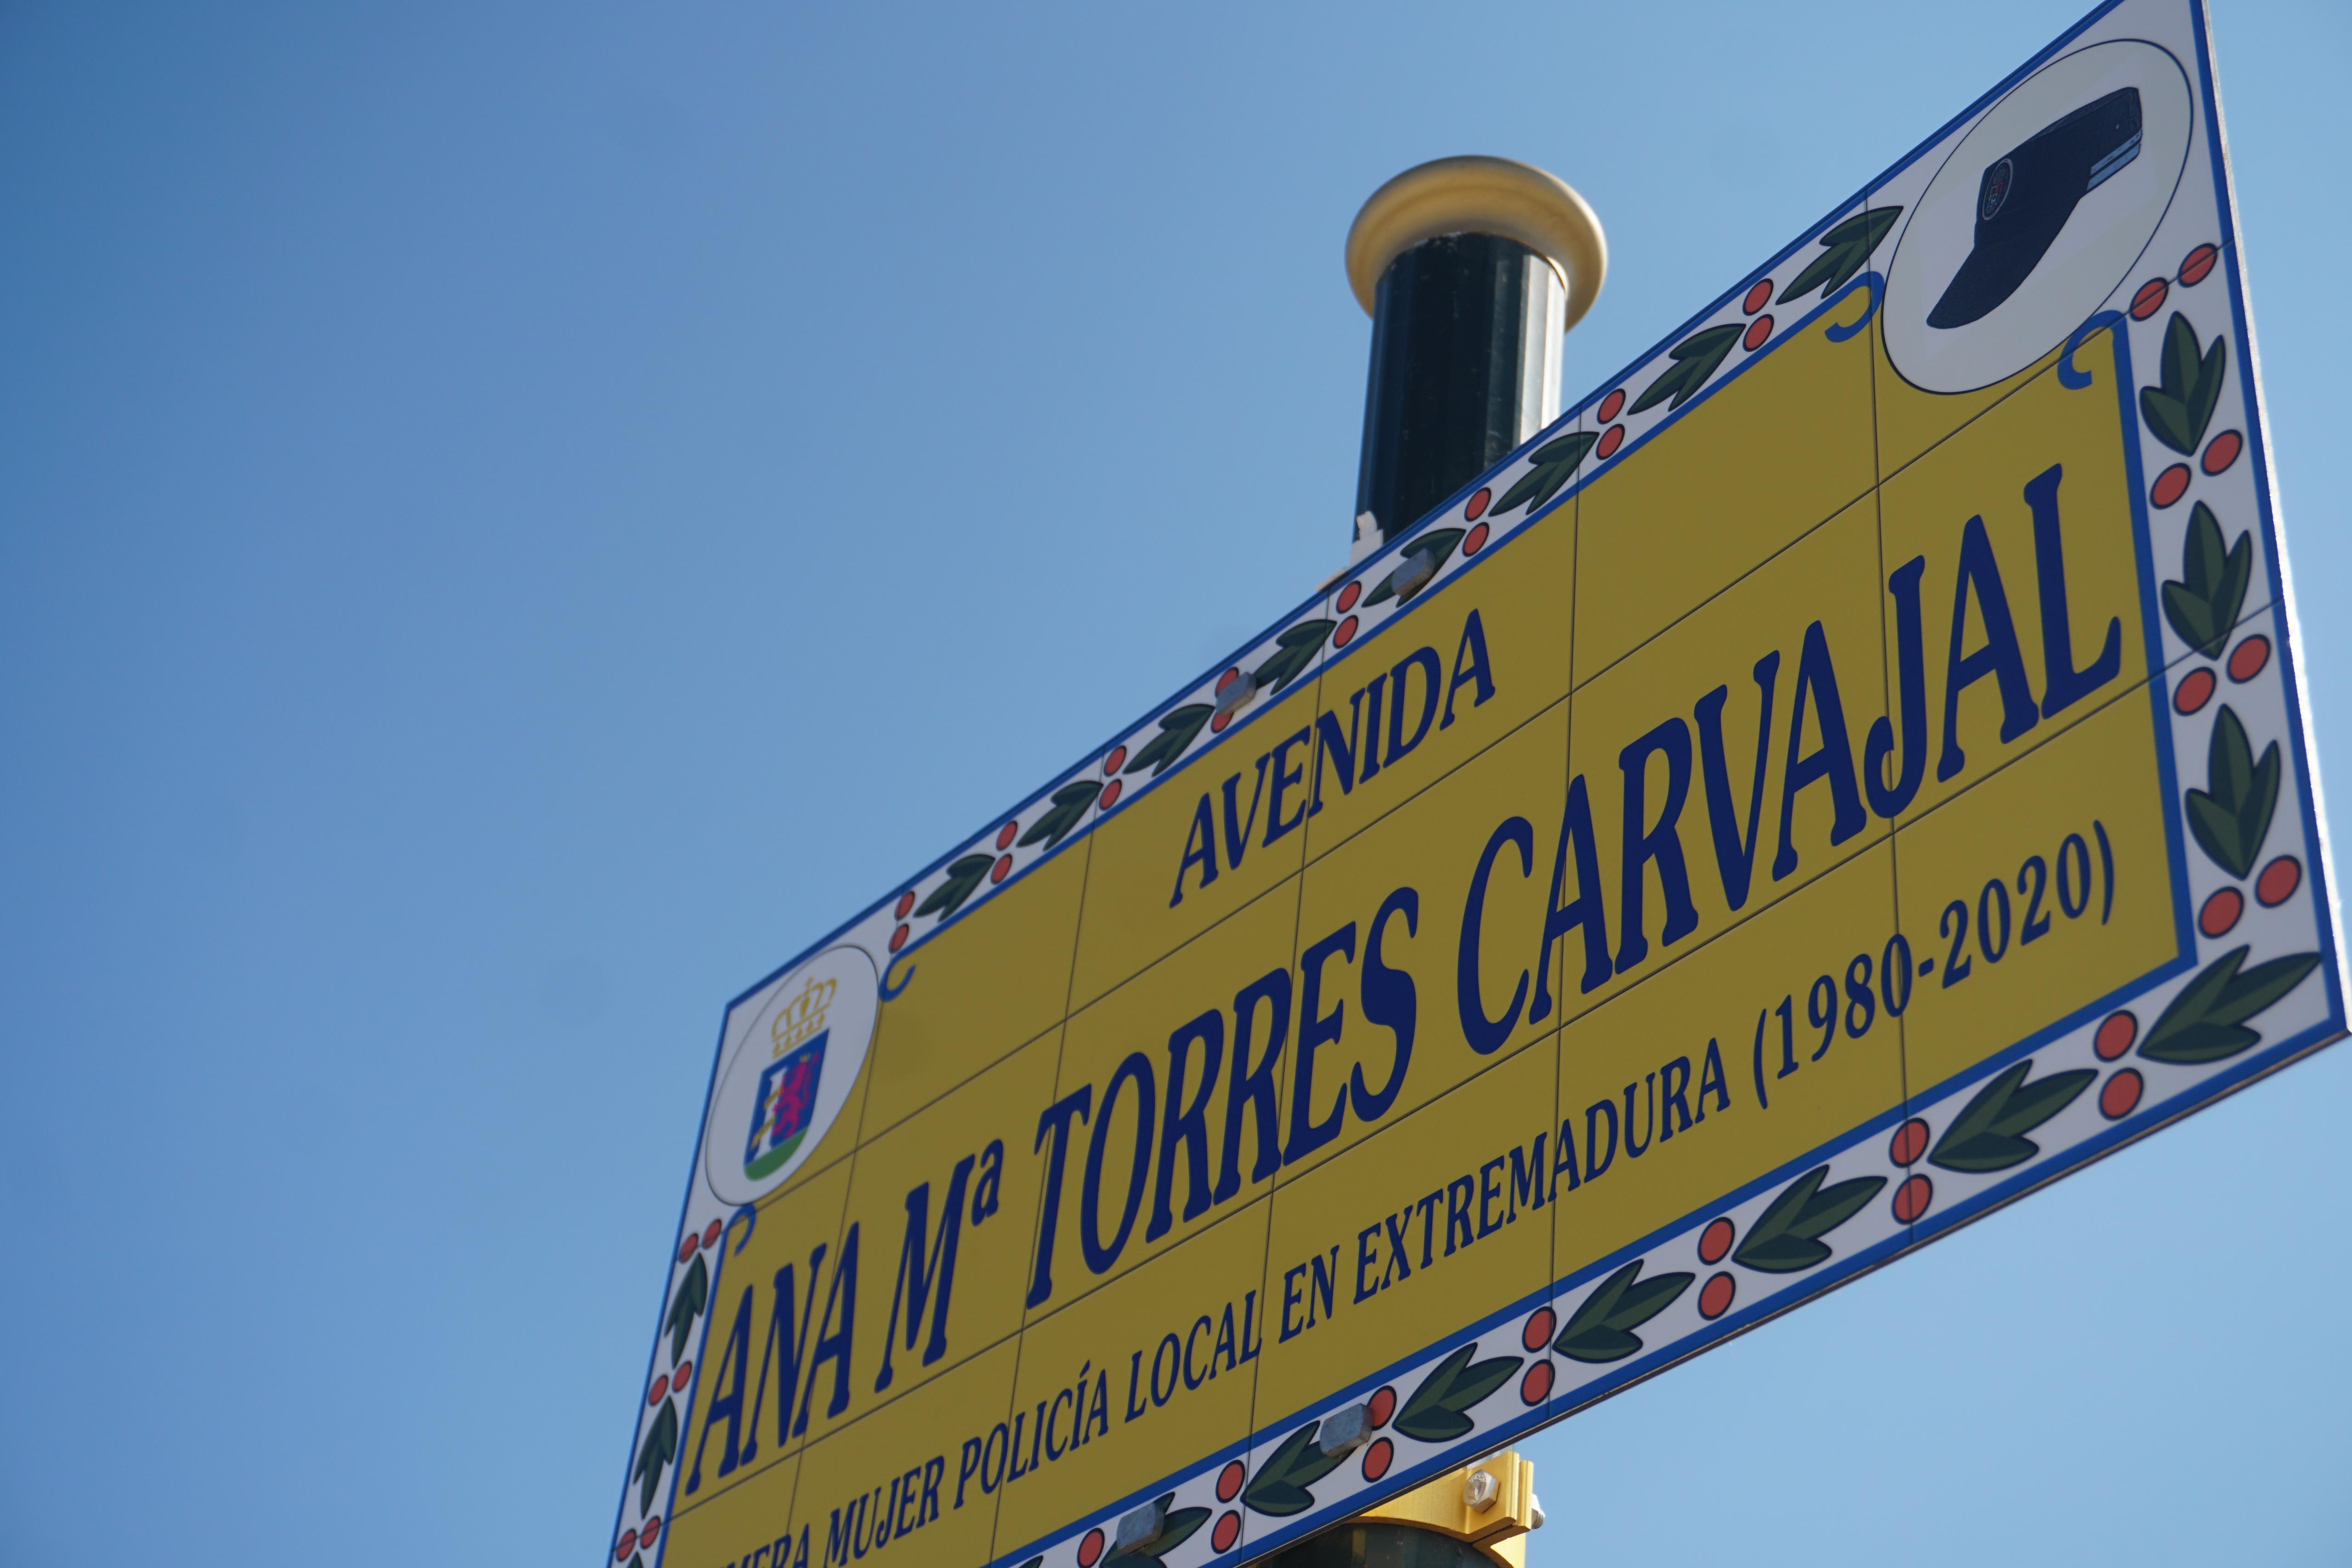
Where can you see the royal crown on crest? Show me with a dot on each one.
(801, 1017)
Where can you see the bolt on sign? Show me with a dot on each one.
(1871, 781)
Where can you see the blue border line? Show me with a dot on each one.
(2150, 1120)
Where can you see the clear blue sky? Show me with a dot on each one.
(515, 519)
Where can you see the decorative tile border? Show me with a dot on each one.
(2249, 860)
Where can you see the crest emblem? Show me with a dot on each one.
(796, 1048)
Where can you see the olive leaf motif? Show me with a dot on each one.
(1602, 1328)
(2189, 383)
(2232, 815)
(1177, 729)
(693, 1295)
(1846, 246)
(1437, 543)
(1695, 358)
(1070, 803)
(655, 1454)
(1177, 1526)
(1438, 1411)
(1787, 1236)
(963, 875)
(1279, 1488)
(1555, 461)
(1990, 1134)
(2204, 605)
(2207, 1022)
(1294, 651)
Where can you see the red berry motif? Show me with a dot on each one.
(1716, 1240)
(1534, 1387)
(710, 1232)
(1715, 1296)
(1345, 634)
(1611, 440)
(658, 1392)
(1910, 1140)
(2221, 912)
(2278, 882)
(1217, 724)
(2247, 659)
(2149, 299)
(1474, 540)
(2115, 1035)
(1611, 405)
(1110, 795)
(1477, 507)
(1377, 1459)
(2196, 689)
(2222, 451)
(2119, 1094)
(1228, 679)
(898, 937)
(647, 1531)
(686, 1249)
(1112, 765)
(1758, 330)
(2171, 485)
(1349, 595)
(1005, 834)
(685, 1370)
(626, 1544)
(1757, 297)
(1538, 1331)
(1227, 1531)
(998, 871)
(906, 904)
(1090, 1549)
(2196, 264)
(1383, 1405)
(1229, 1481)
(1911, 1199)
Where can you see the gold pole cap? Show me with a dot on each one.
(1477, 194)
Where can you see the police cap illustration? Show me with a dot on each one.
(2026, 196)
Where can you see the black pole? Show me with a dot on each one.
(1471, 269)
(1465, 365)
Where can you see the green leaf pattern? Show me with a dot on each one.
(2231, 817)
(1846, 248)
(1438, 1411)
(2189, 384)
(2204, 605)
(1787, 1236)
(1601, 1329)
(2207, 1022)
(1989, 1135)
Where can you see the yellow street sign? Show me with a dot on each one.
(1848, 772)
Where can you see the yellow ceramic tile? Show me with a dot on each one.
(1475, 659)
(1204, 842)
(1778, 449)
(1432, 1224)
(1911, 419)
(1813, 611)
(2022, 851)
(896, 1482)
(1394, 1029)
(1161, 1390)
(750, 1526)
(1659, 1090)
(944, 1207)
(2047, 458)
(1128, 1190)
(993, 980)
(756, 1378)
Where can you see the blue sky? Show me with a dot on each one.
(520, 517)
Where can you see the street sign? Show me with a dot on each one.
(1874, 782)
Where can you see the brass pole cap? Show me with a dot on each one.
(1477, 194)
